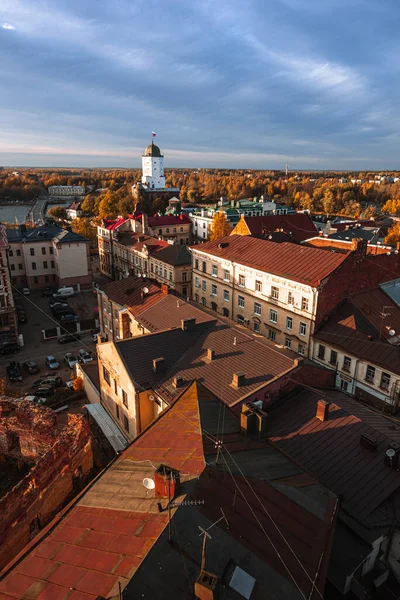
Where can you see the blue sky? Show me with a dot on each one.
(235, 83)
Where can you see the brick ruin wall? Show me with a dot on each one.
(63, 462)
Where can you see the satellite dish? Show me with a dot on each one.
(150, 485)
(390, 453)
(151, 398)
(391, 332)
(145, 290)
(139, 274)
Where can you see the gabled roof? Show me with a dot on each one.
(168, 313)
(163, 220)
(129, 292)
(112, 224)
(330, 450)
(297, 226)
(176, 255)
(44, 232)
(292, 261)
(115, 534)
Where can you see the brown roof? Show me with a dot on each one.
(358, 328)
(114, 534)
(129, 292)
(330, 451)
(326, 243)
(297, 226)
(169, 312)
(136, 241)
(295, 262)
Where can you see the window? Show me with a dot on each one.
(272, 335)
(273, 316)
(196, 282)
(214, 271)
(289, 323)
(32, 251)
(256, 327)
(213, 290)
(35, 280)
(333, 358)
(115, 387)
(33, 266)
(125, 398)
(43, 250)
(117, 411)
(344, 386)
(302, 349)
(165, 273)
(288, 343)
(53, 264)
(385, 381)
(51, 250)
(10, 253)
(304, 304)
(321, 352)
(226, 275)
(274, 292)
(46, 279)
(156, 269)
(106, 375)
(257, 308)
(290, 298)
(12, 267)
(258, 286)
(196, 297)
(18, 252)
(241, 301)
(184, 291)
(346, 363)
(20, 266)
(184, 275)
(204, 267)
(226, 295)
(240, 319)
(370, 374)
(196, 263)
(204, 285)
(242, 280)
(45, 264)
(167, 230)
(170, 276)
(302, 328)
(204, 301)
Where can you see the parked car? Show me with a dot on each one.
(30, 366)
(44, 391)
(35, 399)
(59, 310)
(26, 291)
(57, 302)
(68, 317)
(9, 348)
(64, 292)
(68, 337)
(55, 382)
(70, 360)
(14, 371)
(52, 362)
(21, 316)
(47, 292)
(84, 356)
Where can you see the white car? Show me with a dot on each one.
(35, 399)
(84, 356)
(26, 291)
(70, 360)
(52, 362)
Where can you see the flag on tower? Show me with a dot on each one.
(153, 133)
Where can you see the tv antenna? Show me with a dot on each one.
(205, 534)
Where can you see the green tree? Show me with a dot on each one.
(220, 226)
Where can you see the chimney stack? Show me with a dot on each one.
(145, 224)
(177, 381)
(206, 587)
(164, 289)
(210, 354)
(248, 419)
(322, 410)
(359, 246)
(167, 482)
(188, 324)
(238, 380)
(159, 365)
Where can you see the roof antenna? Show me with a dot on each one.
(234, 341)
(205, 534)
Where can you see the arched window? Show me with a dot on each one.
(225, 312)
(214, 306)
(240, 319)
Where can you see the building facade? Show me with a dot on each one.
(8, 316)
(65, 191)
(48, 255)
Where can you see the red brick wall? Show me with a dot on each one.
(46, 488)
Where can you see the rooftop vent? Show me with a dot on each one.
(222, 245)
(322, 410)
(253, 420)
(188, 324)
(206, 586)
(159, 365)
(210, 354)
(178, 381)
(369, 442)
(392, 455)
(238, 380)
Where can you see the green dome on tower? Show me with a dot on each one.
(152, 150)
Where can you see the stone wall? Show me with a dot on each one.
(57, 475)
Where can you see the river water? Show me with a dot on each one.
(9, 213)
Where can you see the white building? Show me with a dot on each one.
(65, 191)
(153, 167)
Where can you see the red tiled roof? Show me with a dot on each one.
(136, 241)
(292, 261)
(297, 226)
(330, 450)
(129, 292)
(164, 220)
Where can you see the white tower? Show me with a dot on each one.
(153, 167)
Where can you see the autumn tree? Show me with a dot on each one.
(220, 227)
(89, 204)
(84, 226)
(59, 213)
(393, 236)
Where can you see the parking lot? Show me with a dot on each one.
(39, 317)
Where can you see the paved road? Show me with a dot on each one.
(38, 210)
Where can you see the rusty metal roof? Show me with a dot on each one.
(297, 226)
(128, 292)
(292, 261)
(169, 312)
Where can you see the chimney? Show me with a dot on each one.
(210, 354)
(261, 423)
(159, 365)
(145, 224)
(248, 419)
(177, 381)
(369, 442)
(298, 362)
(188, 324)
(164, 289)
(392, 455)
(359, 246)
(322, 410)
(238, 380)
(206, 586)
(167, 482)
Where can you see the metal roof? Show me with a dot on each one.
(108, 427)
(392, 289)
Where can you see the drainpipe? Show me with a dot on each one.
(233, 290)
(355, 377)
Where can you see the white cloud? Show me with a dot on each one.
(8, 26)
